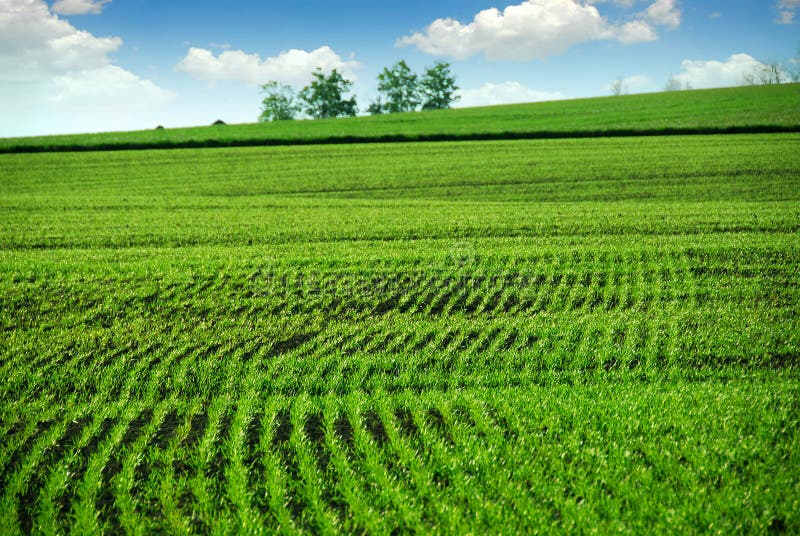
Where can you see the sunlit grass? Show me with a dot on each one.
(492, 337)
(743, 109)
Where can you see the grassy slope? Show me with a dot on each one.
(458, 337)
(743, 108)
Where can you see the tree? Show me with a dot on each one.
(766, 74)
(324, 97)
(400, 89)
(792, 68)
(438, 87)
(674, 84)
(377, 107)
(771, 73)
(279, 104)
(774, 72)
(618, 87)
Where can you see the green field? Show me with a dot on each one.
(457, 337)
(739, 110)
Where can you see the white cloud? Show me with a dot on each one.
(707, 74)
(106, 87)
(787, 10)
(623, 3)
(79, 7)
(534, 29)
(637, 83)
(35, 43)
(664, 13)
(49, 69)
(636, 32)
(290, 67)
(93, 100)
(505, 93)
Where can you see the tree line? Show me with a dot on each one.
(399, 90)
(764, 74)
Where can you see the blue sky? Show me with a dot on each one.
(95, 65)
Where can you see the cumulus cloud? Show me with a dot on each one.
(35, 43)
(664, 13)
(106, 86)
(707, 74)
(636, 31)
(289, 67)
(79, 7)
(505, 93)
(49, 69)
(623, 3)
(787, 10)
(534, 29)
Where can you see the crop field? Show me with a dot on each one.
(755, 109)
(454, 337)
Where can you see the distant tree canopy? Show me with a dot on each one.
(279, 104)
(439, 87)
(324, 97)
(400, 87)
(377, 107)
(401, 90)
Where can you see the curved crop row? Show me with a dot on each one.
(359, 463)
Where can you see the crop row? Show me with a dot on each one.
(316, 355)
(458, 283)
(684, 168)
(415, 293)
(240, 198)
(284, 224)
(527, 459)
(538, 316)
(573, 335)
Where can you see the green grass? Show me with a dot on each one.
(464, 337)
(742, 109)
